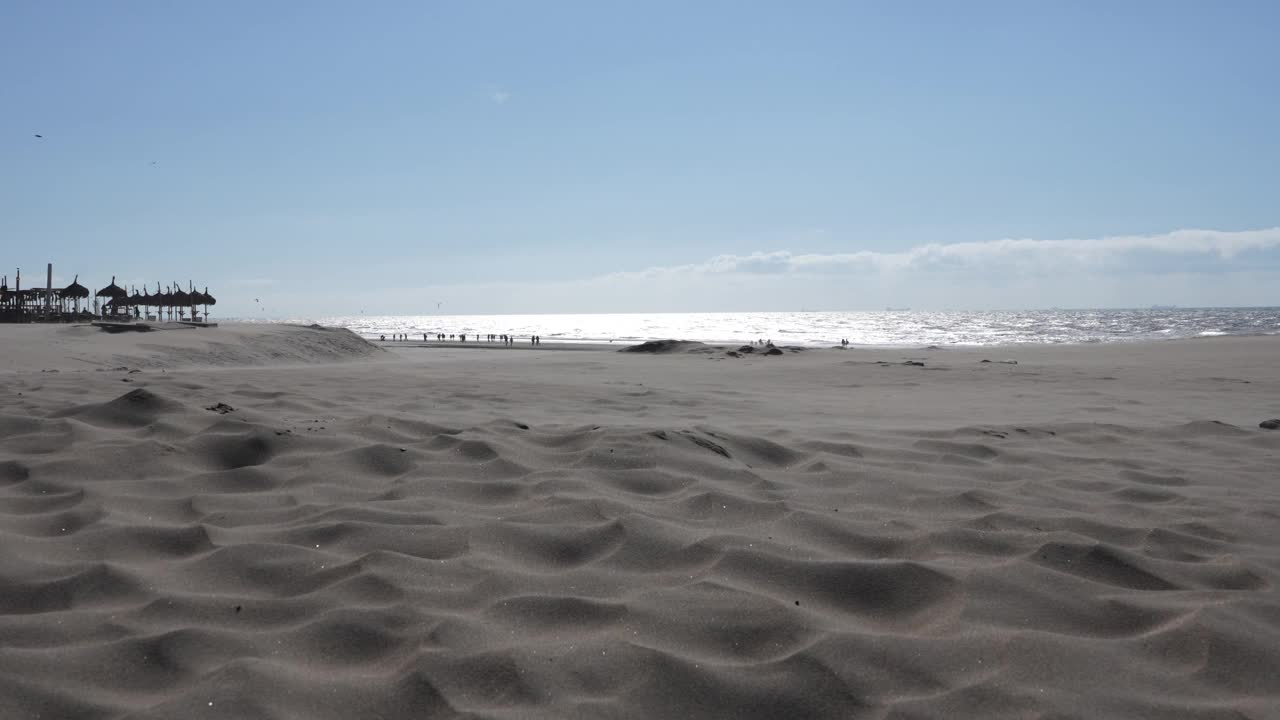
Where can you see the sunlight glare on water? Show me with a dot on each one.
(888, 328)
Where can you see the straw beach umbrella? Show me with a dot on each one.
(207, 300)
(135, 301)
(201, 298)
(113, 293)
(181, 300)
(163, 300)
(196, 299)
(75, 291)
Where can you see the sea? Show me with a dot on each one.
(888, 328)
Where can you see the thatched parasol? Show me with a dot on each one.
(206, 300)
(181, 299)
(75, 291)
(114, 294)
(136, 301)
(113, 291)
(164, 299)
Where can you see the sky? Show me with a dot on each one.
(324, 158)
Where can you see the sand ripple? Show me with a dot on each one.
(159, 560)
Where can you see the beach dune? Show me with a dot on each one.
(270, 521)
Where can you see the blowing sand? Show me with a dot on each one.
(283, 522)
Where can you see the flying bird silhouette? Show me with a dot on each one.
(40, 136)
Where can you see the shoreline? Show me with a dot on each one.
(618, 345)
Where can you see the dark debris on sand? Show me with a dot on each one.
(667, 347)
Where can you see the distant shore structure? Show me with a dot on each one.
(51, 304)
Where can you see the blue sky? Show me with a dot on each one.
(595, 156)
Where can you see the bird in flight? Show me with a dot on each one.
(40, 136)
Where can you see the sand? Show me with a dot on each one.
(285, 522)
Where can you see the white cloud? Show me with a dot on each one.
(1186, 267)
(499, 96)
(1008, 255)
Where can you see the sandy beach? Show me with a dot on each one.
(268, 521)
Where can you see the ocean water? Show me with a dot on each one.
(888, 328)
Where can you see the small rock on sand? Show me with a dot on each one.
(1272, 424)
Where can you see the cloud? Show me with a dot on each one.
(1191, 268)
(499, 96)
(1180, 250)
